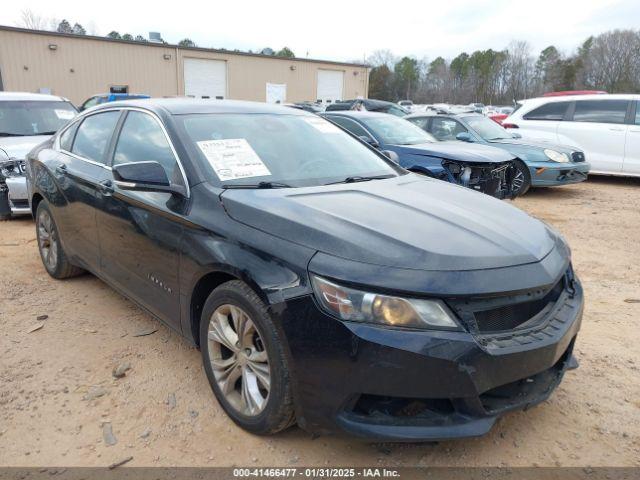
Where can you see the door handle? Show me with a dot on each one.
(61, 169)
(616, 129)
(106, 187)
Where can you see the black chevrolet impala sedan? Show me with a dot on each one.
(325, 285)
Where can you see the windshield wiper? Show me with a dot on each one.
(45, 133)
(257, 185)
(355, 179)
(9, 134)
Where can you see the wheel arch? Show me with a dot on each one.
(204, 285)
(36, 198)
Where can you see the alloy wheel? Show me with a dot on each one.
(239, 360)
(518, 181)
(47, 240)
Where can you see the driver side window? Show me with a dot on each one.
(350, 126)
(142, 140)
(446, 128)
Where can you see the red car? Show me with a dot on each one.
(572, 92)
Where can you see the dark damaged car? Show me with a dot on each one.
(324, 285)
(479, 167)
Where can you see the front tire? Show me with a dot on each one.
(5, 209)
(53, 257)
(522, 179)
(244, 360)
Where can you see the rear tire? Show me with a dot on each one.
(522, 179)
(53, 257)
(244, 360)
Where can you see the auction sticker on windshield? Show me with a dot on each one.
(322, 125)
(233, 158)
(65, 114)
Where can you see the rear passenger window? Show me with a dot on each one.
(637, 113)
(601, 111)
(94, 135)
(549, 111)
(66, 139)
(143, 140)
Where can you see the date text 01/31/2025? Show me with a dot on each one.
(316, 472)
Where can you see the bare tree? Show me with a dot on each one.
(613, 61)
(520, 67)
(382, 57)
(33, 21)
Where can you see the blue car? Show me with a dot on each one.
(479, 167)
(542, 164)
(110, 97)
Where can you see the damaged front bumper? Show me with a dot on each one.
(546, 175)
(495, 179)
(409, 385)
(14, 184)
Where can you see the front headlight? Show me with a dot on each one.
(556, 156)
(359, 306)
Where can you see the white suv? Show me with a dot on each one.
(605, 127)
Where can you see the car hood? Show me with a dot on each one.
(410, 222)
(466, 152)
(18, 147)
(534, 143)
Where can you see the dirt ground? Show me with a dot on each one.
(48, 376)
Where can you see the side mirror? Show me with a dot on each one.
(144, 176)
(369, 140)
(464, 137)
(517, 136)
(391, 155)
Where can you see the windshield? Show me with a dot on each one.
(397, 131)
(487, 129)
(291, 150)
(26, 118)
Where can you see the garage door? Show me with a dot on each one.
(205, 78)
(330, 84)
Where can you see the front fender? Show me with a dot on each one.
(40, 179)
(274, 268)
(431, 166)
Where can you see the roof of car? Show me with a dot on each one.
(185, 106)
(434, 114)
(123, 95)
(594, 96)
(357, 114)
(29, 97)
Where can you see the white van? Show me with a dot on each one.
(605, 127)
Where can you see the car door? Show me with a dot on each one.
(79, 168)
(598, 127)
(632, 145)
(140, 231)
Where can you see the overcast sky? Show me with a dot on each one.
(347, 29)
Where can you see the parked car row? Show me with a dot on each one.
(324, 284)
(605, 126)
(538, 164)
(479, 167)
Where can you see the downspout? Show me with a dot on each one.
(177, 75)
(366, 82)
